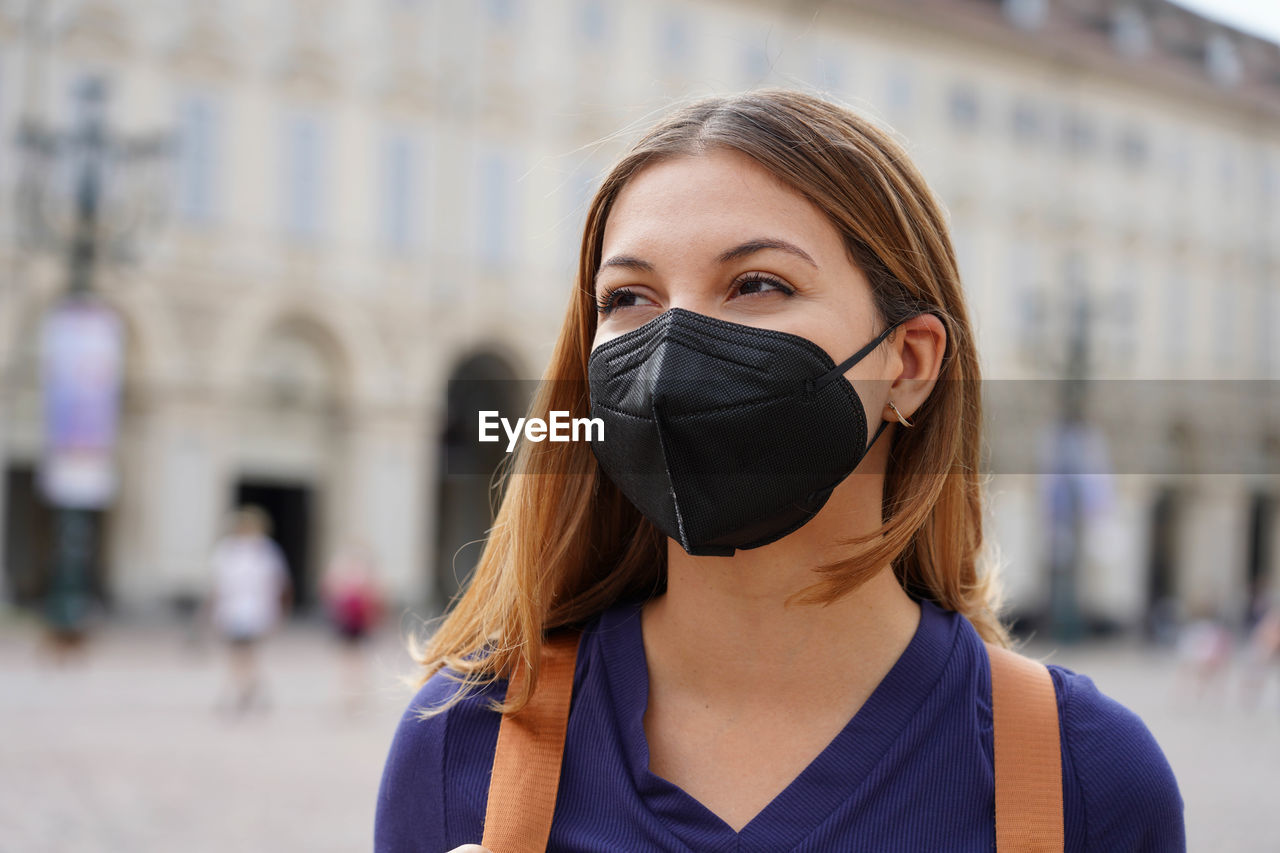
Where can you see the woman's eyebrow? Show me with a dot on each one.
(762, 243)
(628, 262)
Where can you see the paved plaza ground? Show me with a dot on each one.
(123, 751)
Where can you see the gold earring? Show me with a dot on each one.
(901, 419)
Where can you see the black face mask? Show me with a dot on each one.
(725, 436)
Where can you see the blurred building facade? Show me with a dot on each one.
(372, 199)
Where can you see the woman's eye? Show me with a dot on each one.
(622, 297)
(763, 284)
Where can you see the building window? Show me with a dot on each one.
(400, 192)
(962, 106)
(1129, 31)
(1026, 14)
(899, 90)
(1122, 330)
(1227, 172)
(1269, 182)
(829, 74)
(1027, 120)
(1222, 61)
(1224, 327)
(962, 243)
(1177, 317)
(496, 209)
(502, 12)
(1180, 164)
(4, 118)
(198, 148)
(593, 20)
(1133, 148)
(1079, 134)
(756, 62)
(1267, 343)
(305, 173)
(674, 39)
(1026, 312)
(580, 188)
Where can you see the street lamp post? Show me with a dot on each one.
(82, 343)
(1066, 498)
(1076, 447)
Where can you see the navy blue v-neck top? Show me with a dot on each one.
(912, 770)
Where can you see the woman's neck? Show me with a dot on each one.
(724, 626)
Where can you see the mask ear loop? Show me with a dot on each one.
(838, 371)
(880, 429)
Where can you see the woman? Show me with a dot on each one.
(775, 654)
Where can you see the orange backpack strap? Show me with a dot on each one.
(526, 763)
(1028, 758)
(1028, 754)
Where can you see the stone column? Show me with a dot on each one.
(1213, 547)
(1015, 536)
(1116, 553)
(183, 481)
(385, 500)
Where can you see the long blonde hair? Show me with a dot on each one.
(566, 544)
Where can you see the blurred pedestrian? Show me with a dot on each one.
(1204, 652)
(251, 591)
(353, 601)
(1263, 655)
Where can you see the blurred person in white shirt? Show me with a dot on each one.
(251, 593)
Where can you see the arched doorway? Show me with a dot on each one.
(289, 442)
(1263, 508)
(1162, 582)
(466, 490)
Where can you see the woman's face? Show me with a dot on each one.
(717, 234)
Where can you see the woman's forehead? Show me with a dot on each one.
(715, 197)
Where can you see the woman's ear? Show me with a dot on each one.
(920, 344)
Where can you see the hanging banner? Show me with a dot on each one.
(82, 350)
